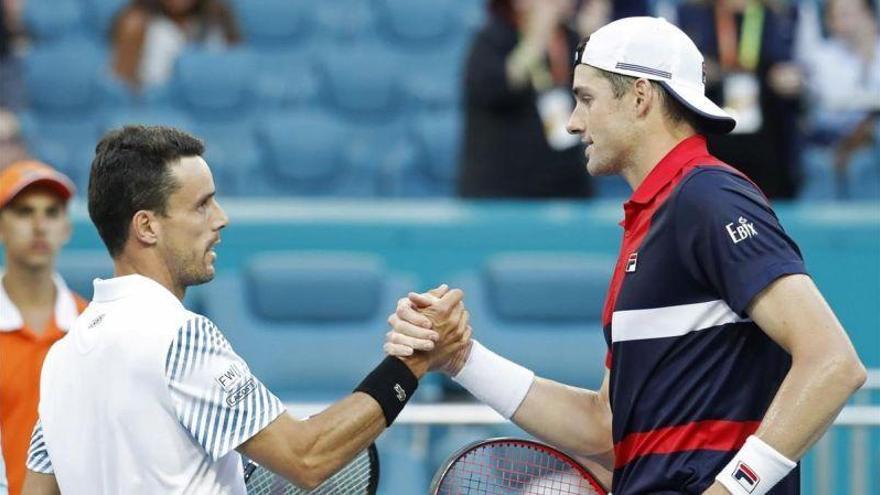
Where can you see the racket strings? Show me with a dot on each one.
(499, 469)
(354, 478)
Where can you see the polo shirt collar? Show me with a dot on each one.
(667, 168)
(111, 289)
(65, 308)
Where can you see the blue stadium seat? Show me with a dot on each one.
(53, 20)
(861, 181)
(152, 115)
(308, 153)
(234, 156)
(80, 268)
(433, 169)
(284, 79)
(543, 310)
(425, 23)
(100, 16)
(214, 85)
(274, 23)
(69, 78)
(434, 80)
(64, 142)
(362, 80)
(864, 174)
(351, 20)
(310, 325)
(384, 152)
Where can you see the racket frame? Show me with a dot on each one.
(447, 465)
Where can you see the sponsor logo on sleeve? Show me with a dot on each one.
(741, 230)
(746, 477)
(237, 382)
(240, 393)
(232, 378)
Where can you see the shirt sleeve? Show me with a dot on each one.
(217, 399)
(38, 454)
(729, 237)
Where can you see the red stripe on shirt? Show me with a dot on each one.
(701, 435)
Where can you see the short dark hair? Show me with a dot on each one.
(131, 172)
(672, 108)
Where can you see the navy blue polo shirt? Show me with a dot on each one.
(690, 374)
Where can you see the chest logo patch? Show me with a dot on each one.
(631, 263)
(741, 230)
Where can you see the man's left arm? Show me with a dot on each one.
(825, 369)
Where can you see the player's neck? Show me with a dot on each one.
(651, 150)
(29, 287)
(148, 267)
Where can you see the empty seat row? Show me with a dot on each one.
(361, 81)
(271, 24)
(280, 308)
(300, 153)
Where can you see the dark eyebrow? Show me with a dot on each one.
(205, 197)
(580, 91)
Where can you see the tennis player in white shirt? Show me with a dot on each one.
(146, 397)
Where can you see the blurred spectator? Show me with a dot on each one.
(148, 35)
(749, 50)
(36, 307)
(11, 84)
(843, 68)
(518, 99)
(12, 148)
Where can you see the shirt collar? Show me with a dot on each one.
(65, 308)
(667, 168)
(119, 287)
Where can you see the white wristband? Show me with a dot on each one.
(495, 381)
(755, 469)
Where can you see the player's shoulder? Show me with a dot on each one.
(201, 330)
(707, 188)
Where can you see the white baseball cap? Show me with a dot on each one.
(652, 48)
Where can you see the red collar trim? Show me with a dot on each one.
(666, 169)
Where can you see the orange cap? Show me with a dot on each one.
(20, 175)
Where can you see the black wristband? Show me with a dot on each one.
(392, 384)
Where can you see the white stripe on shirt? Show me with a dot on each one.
(670, 321)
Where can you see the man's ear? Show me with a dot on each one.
(645, 96)
(145, 227)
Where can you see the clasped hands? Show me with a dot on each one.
(432, 328)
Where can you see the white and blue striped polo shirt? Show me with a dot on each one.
(145, 397)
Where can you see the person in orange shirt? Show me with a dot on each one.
(36, 307)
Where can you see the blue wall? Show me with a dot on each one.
(436, 240)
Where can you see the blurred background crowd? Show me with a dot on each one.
(395, 98)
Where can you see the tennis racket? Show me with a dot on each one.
(510, 466)
(359, 477)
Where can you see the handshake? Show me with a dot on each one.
(430, 331)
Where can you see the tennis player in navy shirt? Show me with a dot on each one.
(725, 363)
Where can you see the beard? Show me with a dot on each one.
(190, 268)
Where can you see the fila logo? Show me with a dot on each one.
(401, 393)
(745, 230)
(631, 263)
(746, 477)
